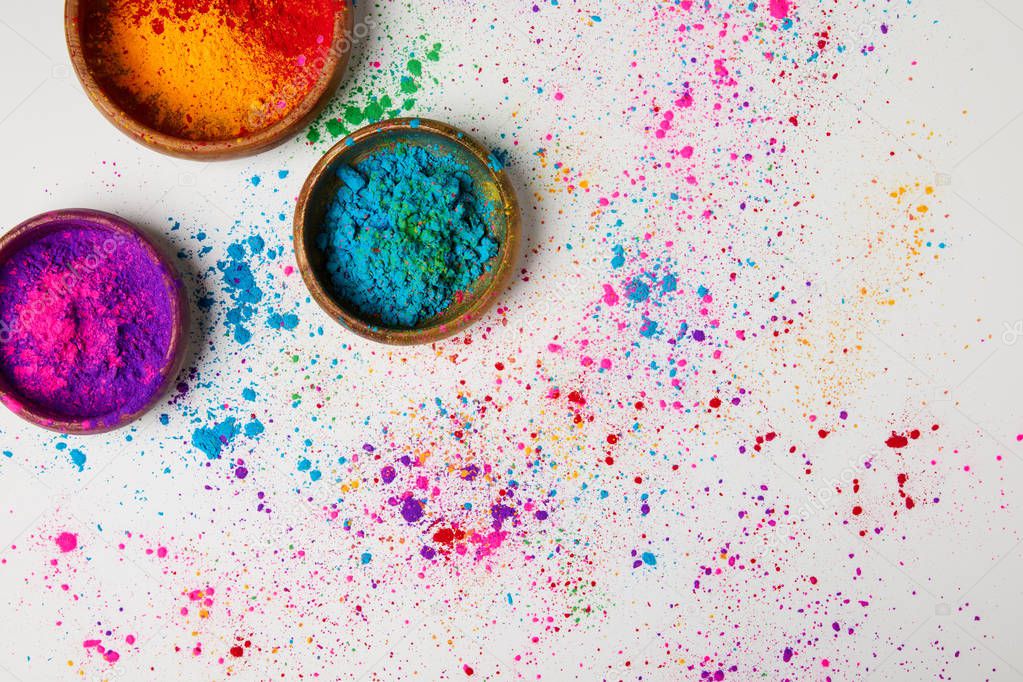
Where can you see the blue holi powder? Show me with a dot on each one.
(254, 428)
(638, 291)
(648, 329)
(212, 439)
(649, 559)
(78, 459)
(249, 394)
(8, 454)
(670, 284)
(407, 232)
(619, 260)
(247, 299)
(241, 287)
(278, 321)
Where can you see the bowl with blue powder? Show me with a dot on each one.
(406, 232)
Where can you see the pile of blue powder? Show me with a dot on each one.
(406, 235)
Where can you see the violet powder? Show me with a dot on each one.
(85, 323)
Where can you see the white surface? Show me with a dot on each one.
(941, 580)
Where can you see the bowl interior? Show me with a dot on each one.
(38, 228)
(486, 173)
(262, 126)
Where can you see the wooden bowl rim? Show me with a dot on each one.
(299, 117)
(175, 356)
(505, 259)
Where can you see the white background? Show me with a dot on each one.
(941, 581)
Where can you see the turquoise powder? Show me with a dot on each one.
(406, 235)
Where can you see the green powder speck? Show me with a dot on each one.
(379, 91)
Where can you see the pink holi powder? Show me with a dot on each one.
(779, 9)
(67, 542)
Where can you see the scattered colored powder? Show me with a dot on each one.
(85, 323)
(207, 69)
(381, 92)
(407, 233)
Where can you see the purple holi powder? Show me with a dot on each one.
(85, 323)
(411, 510)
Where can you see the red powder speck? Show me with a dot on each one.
(468, 670)
(237, 651)
(896, 441)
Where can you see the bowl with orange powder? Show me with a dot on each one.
(209, 78)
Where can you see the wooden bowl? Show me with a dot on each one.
(261, 139)
(489, 176)
(47, 223)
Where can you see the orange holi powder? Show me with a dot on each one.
(207, 70)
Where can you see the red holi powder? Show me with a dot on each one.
(897, 440)
(444, 536)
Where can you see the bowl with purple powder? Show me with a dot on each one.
(406, 232)
(93, 321)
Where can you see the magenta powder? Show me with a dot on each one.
(86, 322)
